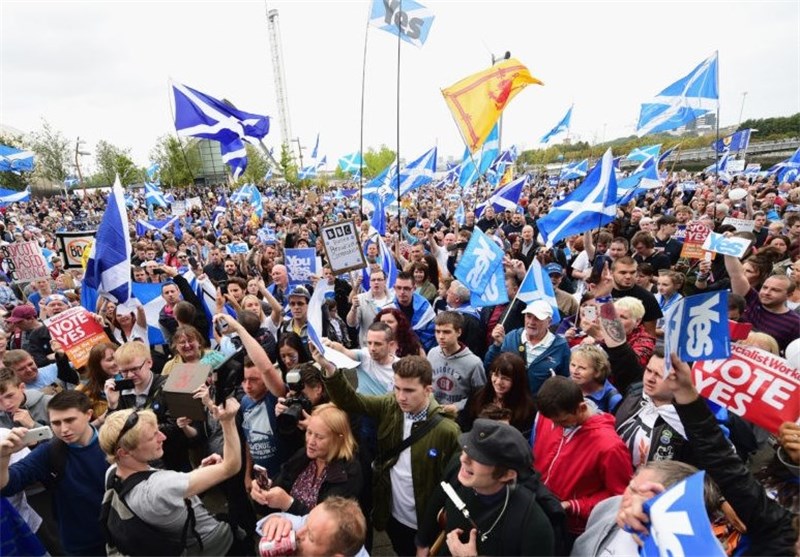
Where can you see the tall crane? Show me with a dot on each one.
(279, 76)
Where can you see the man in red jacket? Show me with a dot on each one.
(577, 451)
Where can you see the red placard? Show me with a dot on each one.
(77, 332)
(694, 238)
(762, 388)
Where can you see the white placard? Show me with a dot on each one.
(742, 225)
(342, 247)
(718, 243)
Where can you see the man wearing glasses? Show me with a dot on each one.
(135, 363)
(416, 308)
(298, 321)
(365, 306)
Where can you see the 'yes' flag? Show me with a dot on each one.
(413, 21)
(479, 263)
(697, 328)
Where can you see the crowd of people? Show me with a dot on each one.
(457, 430)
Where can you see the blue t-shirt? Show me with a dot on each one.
(258, 424)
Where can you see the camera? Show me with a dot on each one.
(223, 286)
(295, 405)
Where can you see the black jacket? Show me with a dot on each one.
(343, 478)
(769, 526)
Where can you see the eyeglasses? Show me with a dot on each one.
(403, 288)
(136, 369)
(293, 304)
(130, 423)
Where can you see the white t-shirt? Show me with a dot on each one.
(581, 264)
(374, 378)
(403, 503)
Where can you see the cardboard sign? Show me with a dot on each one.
(762, 388)
(696, 328)
(178, 207)
(179, 388)
(695, 237)
(77, 332)
(719, 243)
(300, 265)
(25, 261)
(742, 225)
(237, 247)
(72, 245)
(342, 247)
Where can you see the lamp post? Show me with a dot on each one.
(78, 153)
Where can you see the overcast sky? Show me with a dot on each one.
(101, 70)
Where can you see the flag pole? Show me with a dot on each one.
(511, 303)
(361, 141)
(716, 152)
(397, 162)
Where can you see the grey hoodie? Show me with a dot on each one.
(457, 376)
(36, 405)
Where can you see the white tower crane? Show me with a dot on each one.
(279, 76)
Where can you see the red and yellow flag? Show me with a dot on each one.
(477, 101)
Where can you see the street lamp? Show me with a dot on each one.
(78, 153)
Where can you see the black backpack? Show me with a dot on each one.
(131, 535)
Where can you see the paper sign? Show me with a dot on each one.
(300, 265)
(237, 247)
(719, 243)
(696, 234)
(742, 225)
(72, 245)
(762, 388)
(342, 247)
(25, 261)
(77, 332)
(696, 328)
(178, 207)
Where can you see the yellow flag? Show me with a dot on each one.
(508, 175)
(477, 101)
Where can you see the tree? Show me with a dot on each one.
(257, 165)
(288, 166)
(53, 155)
(180, 160)
(376, 161)
(113, 161)
(12, 180)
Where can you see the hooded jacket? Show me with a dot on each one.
(457, 376)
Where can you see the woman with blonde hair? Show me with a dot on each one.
(325, 467)
(590, 368)
(630, 311)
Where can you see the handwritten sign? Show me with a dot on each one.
(342, 247)
(762, 388)
(25, 261)
(695, 237)
(72, 245)
(741, 225)
(77, 332)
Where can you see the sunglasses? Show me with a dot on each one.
(130, 423)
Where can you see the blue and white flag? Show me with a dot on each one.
(108, 269)
(718, 167)
(15, 160)
(162, 225)
(488, 153)
(737, 141)
(153, 195)
(266, 235)
(242, 195)
(301, 263)
(219, 210)
(415, 20)
(575, 170)
(667, 153)
(591, 205)
(307, 172)
(256, 202)
(152, 173)
(562, 126)
(682, 102)
(16, 197)
(460, 215)
(201, 115)
(70, 181)
(479, 261)
(679, 523)
(351, 163)
(316, 147)
(537, 286)
(697, 328)
(645, 178)
(416, 174)
(495, 292)
(786, 169)
(378, 221)
(268, 175)
(643, 153)
(506, 198)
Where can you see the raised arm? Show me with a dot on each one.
(739, 283)
(201, 479)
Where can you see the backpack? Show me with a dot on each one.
(131, 535)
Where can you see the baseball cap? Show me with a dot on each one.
(20, 313)
(300, 291)
(56, 298)
(554, 268)
(539, 309)
(496, 443)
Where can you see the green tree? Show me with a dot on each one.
(773, 128)
(179, 159)
(257, 165)
(376, 161)
(53, 154)
(288, 166)
(12, 180)
(112, 161)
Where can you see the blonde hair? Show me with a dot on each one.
(598, 360)
(763, 341)
(114, 423)
(343, 444)
(632, 305)
(130, 351)
(250, 298)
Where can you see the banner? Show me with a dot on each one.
(342, 247)
(719, 243)
(25, 261)
(495, 292)
(479, 261)
(300, 264)
(72, 245)
(77, 332)
(178, 207)
(758, 386)
(693, 240)
(742, 225)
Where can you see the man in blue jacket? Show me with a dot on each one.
(545, 353)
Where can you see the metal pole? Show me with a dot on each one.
(741, 110)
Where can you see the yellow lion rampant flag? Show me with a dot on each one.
(477, 101)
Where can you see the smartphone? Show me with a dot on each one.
(221, 326)
(261, 476)
(589, 313)
(37, 434)
(123, 384)
(192, 262)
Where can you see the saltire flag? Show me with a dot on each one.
(562, 126)
(201, 115)
(70, 181)
(268, 175)
(737, 141)
(667, 153)
(644, 153)
(719, 167)
(415, 20)
(257, 203)
(537, 286)
(17, 197)
(108, 269)
(591, 205)
(351, 163)
(575, 170)
(219, 210)
(163, 225)
(15, 160)
(786, 169)
(645, 178)
(242, 195)
(378, 221)
(497, 170)
(504, 199)
(379, 185)
(153, 195)
(152, 172)
(489, 151)
(683, 101)
(417, 173)
(477, 101)
(679, 523)
(460, 215)
(451, 176)
(387, 263)
(307, 172)
(316, 147)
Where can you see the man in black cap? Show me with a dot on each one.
(494, 463)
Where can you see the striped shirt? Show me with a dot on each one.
(783, 327)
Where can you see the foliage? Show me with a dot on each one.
(179, 160)
(774, 128)
(257, 165)
(376, 161)
(112, 161)
(53, 155)
(12, 180)
(288, 166)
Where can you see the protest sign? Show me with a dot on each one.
(178, 207)
(741, 225)
(301, 264)
(735, 166)
(342, 247)
(680, 232)
(237, 247)
(72, 244)
(695, 236)
(77, 332)
(696, 328)
(25, 261)
(758, 386)
(194, 203)
(479, 262)
(719, 243)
